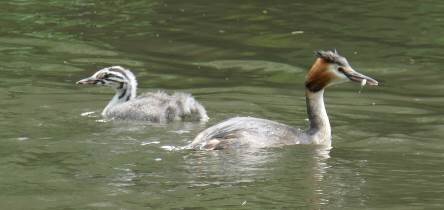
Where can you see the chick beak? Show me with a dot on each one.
(358, 77)
(87, 81)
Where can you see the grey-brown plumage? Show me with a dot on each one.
(247, 132)
(153, 106)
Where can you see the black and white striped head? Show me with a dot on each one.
(114, 76)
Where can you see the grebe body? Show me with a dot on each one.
(329, 68)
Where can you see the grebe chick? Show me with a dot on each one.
(154, 106)
(328, 69)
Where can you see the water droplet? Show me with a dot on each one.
(363, 82)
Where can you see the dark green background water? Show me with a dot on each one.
(245, 58)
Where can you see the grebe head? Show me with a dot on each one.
(114, 76)
(331, 68)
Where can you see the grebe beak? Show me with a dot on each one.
(358, 77)
(87, 81)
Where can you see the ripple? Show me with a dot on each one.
(59, 46)
(251, 65)
(109, 61)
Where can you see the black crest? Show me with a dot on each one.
(332, 57)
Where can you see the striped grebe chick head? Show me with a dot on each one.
(122, 80)
(114, 76)
(331, 68)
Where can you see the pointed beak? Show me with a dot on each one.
(87, 81)
(358, 77)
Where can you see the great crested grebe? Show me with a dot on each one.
(154, 106)
(328, 69)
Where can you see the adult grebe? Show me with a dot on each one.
(329, 68)
(153, 107)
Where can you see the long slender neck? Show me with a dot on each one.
(123, 94)
(319, 131)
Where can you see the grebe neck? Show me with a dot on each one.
(123, 94)
(319, 131)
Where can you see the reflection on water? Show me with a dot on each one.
(254, 168)
(239, 59)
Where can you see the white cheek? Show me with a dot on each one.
(339, 77)
(109, 83)
(114, 85)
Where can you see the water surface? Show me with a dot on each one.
(244, 58)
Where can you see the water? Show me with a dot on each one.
(239, 59)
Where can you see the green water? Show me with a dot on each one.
(239, 58)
